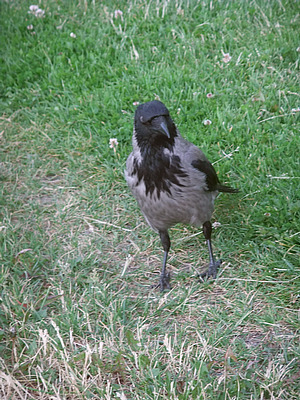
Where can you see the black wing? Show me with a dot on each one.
(206, 167)
(212, 179)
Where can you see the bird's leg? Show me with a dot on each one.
(164, 281)
(213, 264)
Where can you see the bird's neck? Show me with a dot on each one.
(154, 145)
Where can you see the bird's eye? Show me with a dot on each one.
(149, 121)
(145, 122)
(153, 120)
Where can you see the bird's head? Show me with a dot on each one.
(153, 123)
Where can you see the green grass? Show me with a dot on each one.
(78, 317)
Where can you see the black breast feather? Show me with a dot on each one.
(159, 171)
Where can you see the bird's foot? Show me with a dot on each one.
(211, 272)
(164, 282)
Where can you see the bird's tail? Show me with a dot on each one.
(227, 189)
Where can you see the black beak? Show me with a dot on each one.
(164, 129)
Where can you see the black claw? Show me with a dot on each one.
(164, 282)
(211, 272)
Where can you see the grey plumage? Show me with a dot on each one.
(171, 179)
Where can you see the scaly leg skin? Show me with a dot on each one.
(164, 281)
(213, 264)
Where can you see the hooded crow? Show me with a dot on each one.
(171, 179)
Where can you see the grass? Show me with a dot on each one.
(79, 319)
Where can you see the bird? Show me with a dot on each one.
(171, 180)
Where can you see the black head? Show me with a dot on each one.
(153, 123)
